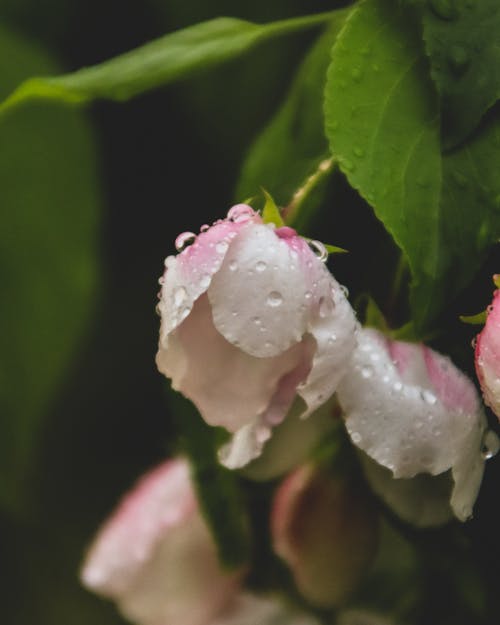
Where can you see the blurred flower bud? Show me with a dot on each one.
(413, 412)
(251, 317)
(325, 528)
(156, 558)
(487, 356)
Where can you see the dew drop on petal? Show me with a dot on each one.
(366, 372)
(319, 250)
(308, 294)
(397, 386)
(169, 261)
(260, 266)
(356, 438)
(344, 290)
(240, 213)
(326, 306)
(221, 247)
(184, 313)
(428, 397)
(490, 445)
(205, 281)
(332, 338)
(274, 299)
(233, 265)
(204, 228)
(179, 295)
(185, 238)
(257, 321)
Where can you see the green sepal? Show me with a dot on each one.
(473, 320)
(271, 213)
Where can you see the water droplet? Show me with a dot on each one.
(185, 238)
(240, 213)
(274, 299)
(161, 280)
(319, 250)
(366, 372)
(221, 247)
(490, 445)
(375, 67)
(348, 165)
(308, 294)
(184, 313)
(359, 152)
(459, 179)
(326, 307)
(260, 266)
(334, 125)
(345, 291)
(180, 294)
(205, 281)
(332, 338)
(169, 261)
(428, 397)
(204, 228)
(158, 310)
(233, 265)
(397, 386)
(356, 438)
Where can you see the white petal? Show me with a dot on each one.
(334, 329)
(189, 274)
(292, 441)
(245, 445)
(402, 426)
(261, 296)
(468, 472)
(229, 387)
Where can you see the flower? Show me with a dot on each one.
(251, 317)
(412, 411)
(156, 558)
(487, 356)
(325, 528)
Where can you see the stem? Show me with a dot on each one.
(292, 211)
(401, 269)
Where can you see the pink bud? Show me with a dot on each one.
(487, 355)
(156, 558)
(325, 528)
(251, 318)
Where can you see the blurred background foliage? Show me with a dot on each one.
(91, 203)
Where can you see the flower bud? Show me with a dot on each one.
(156, 558)
(325, 528)
(413, 412)
(251, 317)
(487, 356)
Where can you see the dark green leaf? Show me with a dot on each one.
(293, 145)
(217, 487)
(47, 259)
(381, 112)
(462, 41)
(159, 62)
(382, 122)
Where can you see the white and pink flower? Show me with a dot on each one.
(487, 356)
(251, 317)
(325, 527)
(155, 556)
(413, 412)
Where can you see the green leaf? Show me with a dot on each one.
(217, 488)
(474, 320)
(293, 145)
(382, 123)
(381, 113)
(333, 249)
(461, 39)
(47, 260)
(270, 212)
(159, 62)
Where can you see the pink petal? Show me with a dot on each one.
(229, 387)
(487, 356)
(156, 558)
(249, 609)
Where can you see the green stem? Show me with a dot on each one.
(292, 211)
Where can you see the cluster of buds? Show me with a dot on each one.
(258, 334)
